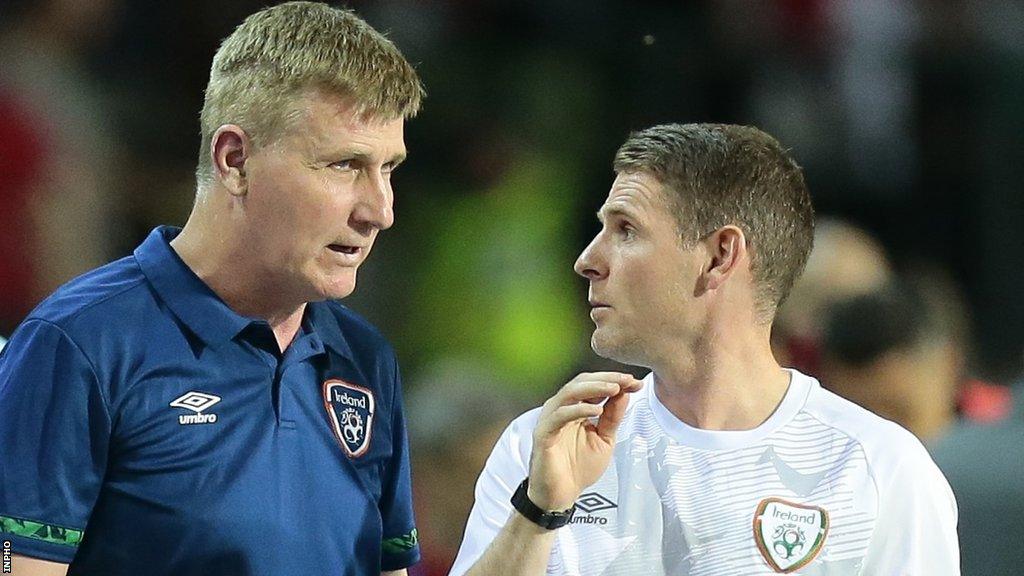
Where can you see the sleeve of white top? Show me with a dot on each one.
(506, 467)
(917, 516)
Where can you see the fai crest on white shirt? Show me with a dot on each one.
(789, 535)
(350, 409)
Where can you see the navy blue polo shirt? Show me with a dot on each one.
(146, 428)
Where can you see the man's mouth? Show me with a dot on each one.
(344, 249)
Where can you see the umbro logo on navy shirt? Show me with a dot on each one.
(196, 402)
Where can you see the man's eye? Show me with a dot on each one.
(627, 230)
(342, 165)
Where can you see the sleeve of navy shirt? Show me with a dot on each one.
(54, 429)
(400, 542)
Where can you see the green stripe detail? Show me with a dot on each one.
(401, 543)
(39, 531)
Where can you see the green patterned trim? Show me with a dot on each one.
(401, 543)
(39, 531)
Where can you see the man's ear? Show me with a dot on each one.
(726, 247)
(230, 148)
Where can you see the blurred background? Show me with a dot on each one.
(906, 115)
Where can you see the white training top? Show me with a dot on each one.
(823, 487)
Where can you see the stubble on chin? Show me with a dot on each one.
(621, 348)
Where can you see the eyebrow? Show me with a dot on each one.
(364, 157)
(605, 212)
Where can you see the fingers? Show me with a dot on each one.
(594, 386)
(612, 415)
(566, 414)
(580, 398)
(633, 385)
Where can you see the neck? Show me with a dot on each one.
(725, 384)
(222, 266)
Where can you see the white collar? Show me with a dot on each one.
(799, 389)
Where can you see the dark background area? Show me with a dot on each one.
(907, 117)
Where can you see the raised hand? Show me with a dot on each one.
(570, 450)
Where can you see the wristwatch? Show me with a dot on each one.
(542, 518)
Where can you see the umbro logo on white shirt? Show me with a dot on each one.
(196, 402)
(592, 502)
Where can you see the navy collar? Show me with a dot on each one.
(202, 311)
(188, 297)
(325, 323)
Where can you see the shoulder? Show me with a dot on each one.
(79, 334)
(892, 453)
(515, 444)
(525, 423)
(101, 299)
(97, 326)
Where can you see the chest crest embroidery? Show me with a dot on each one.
(789, 535)
(350, 410)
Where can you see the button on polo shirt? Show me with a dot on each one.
(153, 430)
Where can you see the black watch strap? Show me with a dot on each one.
(542, 518)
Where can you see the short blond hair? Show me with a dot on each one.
(279, 52)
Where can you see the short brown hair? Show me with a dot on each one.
(720, 174)
(281, 51)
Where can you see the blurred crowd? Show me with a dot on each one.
(905, 115)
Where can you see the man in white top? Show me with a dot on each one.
(719, 462)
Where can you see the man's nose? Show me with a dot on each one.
(375, 207)
(589, 264)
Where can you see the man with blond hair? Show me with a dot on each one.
(719, 462)
(205, 406)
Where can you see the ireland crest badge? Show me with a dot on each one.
(789, 535)
(350, 410)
